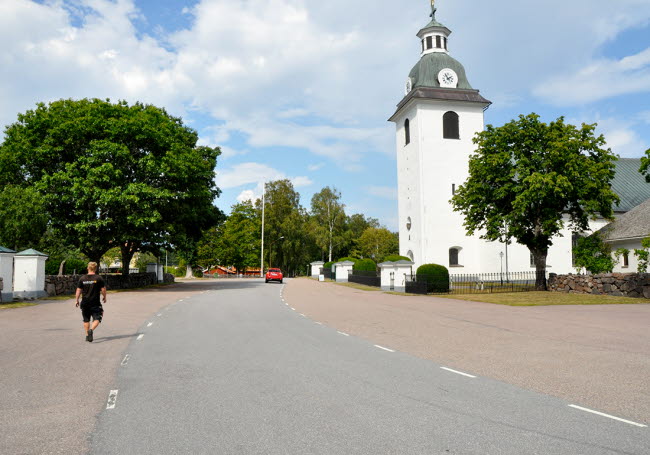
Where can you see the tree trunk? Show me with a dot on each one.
(128, 250)
(539, 257)
(189, 273)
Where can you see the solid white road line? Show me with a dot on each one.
(150, 324)
(607, 415)
(343, 333)
(112, 399)
(385, 349)
(126, 359)
(458, 372)
(141, 336)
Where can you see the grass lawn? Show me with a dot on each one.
(4, 306)
(545, 298)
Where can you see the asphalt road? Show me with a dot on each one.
(236, 370)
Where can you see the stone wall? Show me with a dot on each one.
(67, 284)
(616, 284)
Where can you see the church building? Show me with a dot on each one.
(435, 123)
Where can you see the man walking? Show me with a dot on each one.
(90, 287)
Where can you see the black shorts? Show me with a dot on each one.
(96, 312)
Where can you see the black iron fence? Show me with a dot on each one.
(364, 277)
(327, 273)
(476, 283)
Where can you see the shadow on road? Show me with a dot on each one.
(116, 337)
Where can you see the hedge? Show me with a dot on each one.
(395, 258)
(436, 277)
(365, 265)
(355, 260)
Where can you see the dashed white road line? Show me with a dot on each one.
(319, 323)
(112, 399)
(385, 349)
(141, 336)
(607, 415)
(126, 359)
(302, 315)
(293, 308)
(458, 372)
(150, 324)
(159, 314)
(343, 333)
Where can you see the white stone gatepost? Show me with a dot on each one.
(157, 269)
(315, 268)
(393, 275)
(7, 274)
(343, 270)
(29, 274)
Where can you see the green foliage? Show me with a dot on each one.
(395, 258)
(349, 259)
(329, 216)
(645, 166)
(328, 265)
(436, 276)
(377, 243)
(143, 260)
(643, 255)
(527, 174)
(23, 221)
(113, 174)
(594, 255)
(72, 266)
(365, 265)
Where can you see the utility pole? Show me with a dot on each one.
(262, 250)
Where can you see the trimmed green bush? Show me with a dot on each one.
(365, 265)
(328, 265)
(436, 276)
(395, 258)
(71, 265)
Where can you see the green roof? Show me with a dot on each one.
(425, 72)
(630, 184)
(31, 252)
(6, 250)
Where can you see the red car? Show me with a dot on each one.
(274, 275)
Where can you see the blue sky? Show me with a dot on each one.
(302, 89)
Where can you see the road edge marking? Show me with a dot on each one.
(458, 372)
(385, 349)
(343, 333)
(125, 360)
(141, 336)
(602, 414)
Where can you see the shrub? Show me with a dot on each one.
(395, 258)
(436, 277)
(594, 255)
(71, 266)
(355, 260)
(328, 265)
(365, 265)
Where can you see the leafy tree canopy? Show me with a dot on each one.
(527, 175)
(22, 219)
(645, 165)
(113, 174)
(378, 243)
(329, 214)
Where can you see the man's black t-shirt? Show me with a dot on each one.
(91, 286)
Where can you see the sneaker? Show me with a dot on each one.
(90, 335)
(87, 336)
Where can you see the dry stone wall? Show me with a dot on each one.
(67, 284)
(616, 284)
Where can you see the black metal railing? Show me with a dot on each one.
(368, 278)
(327, 273)
(476, 283)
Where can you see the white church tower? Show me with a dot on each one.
(436, 122)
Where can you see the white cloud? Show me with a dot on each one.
(384, 192)
(599, 80)
(299, 182)
(620, 134)
(247, 173)
(315, 167)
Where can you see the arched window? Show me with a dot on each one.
(454, 254)
(407, 132)
(450, 128)
(410, 255)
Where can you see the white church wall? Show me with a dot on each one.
(633, 261)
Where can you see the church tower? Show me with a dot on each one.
(435, 124)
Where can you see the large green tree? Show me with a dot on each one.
(377, 243)
(527, 178)
(114, 175)
(645, 165)
(329, 217)
(23, 222)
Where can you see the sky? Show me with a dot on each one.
(302, 89)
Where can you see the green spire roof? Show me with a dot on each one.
(425, 72)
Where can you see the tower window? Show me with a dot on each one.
(450, 126)
(407, 132)
(429, 42)
(438, 42)
(454, 254)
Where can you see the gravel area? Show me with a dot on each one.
(593, 356)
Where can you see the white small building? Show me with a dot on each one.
(7, 273)
(436, 121)
(29, 274)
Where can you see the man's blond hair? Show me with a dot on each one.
(92, 266)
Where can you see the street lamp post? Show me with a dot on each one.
(262, 249)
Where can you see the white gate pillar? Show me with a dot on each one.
(315, 268)
(343, 270)
(7, 274)
(393, 275)
(29, 274)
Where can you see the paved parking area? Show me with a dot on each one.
(596, 356)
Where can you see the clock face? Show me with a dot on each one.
(448, 78)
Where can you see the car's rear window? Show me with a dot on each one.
(274, 270)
